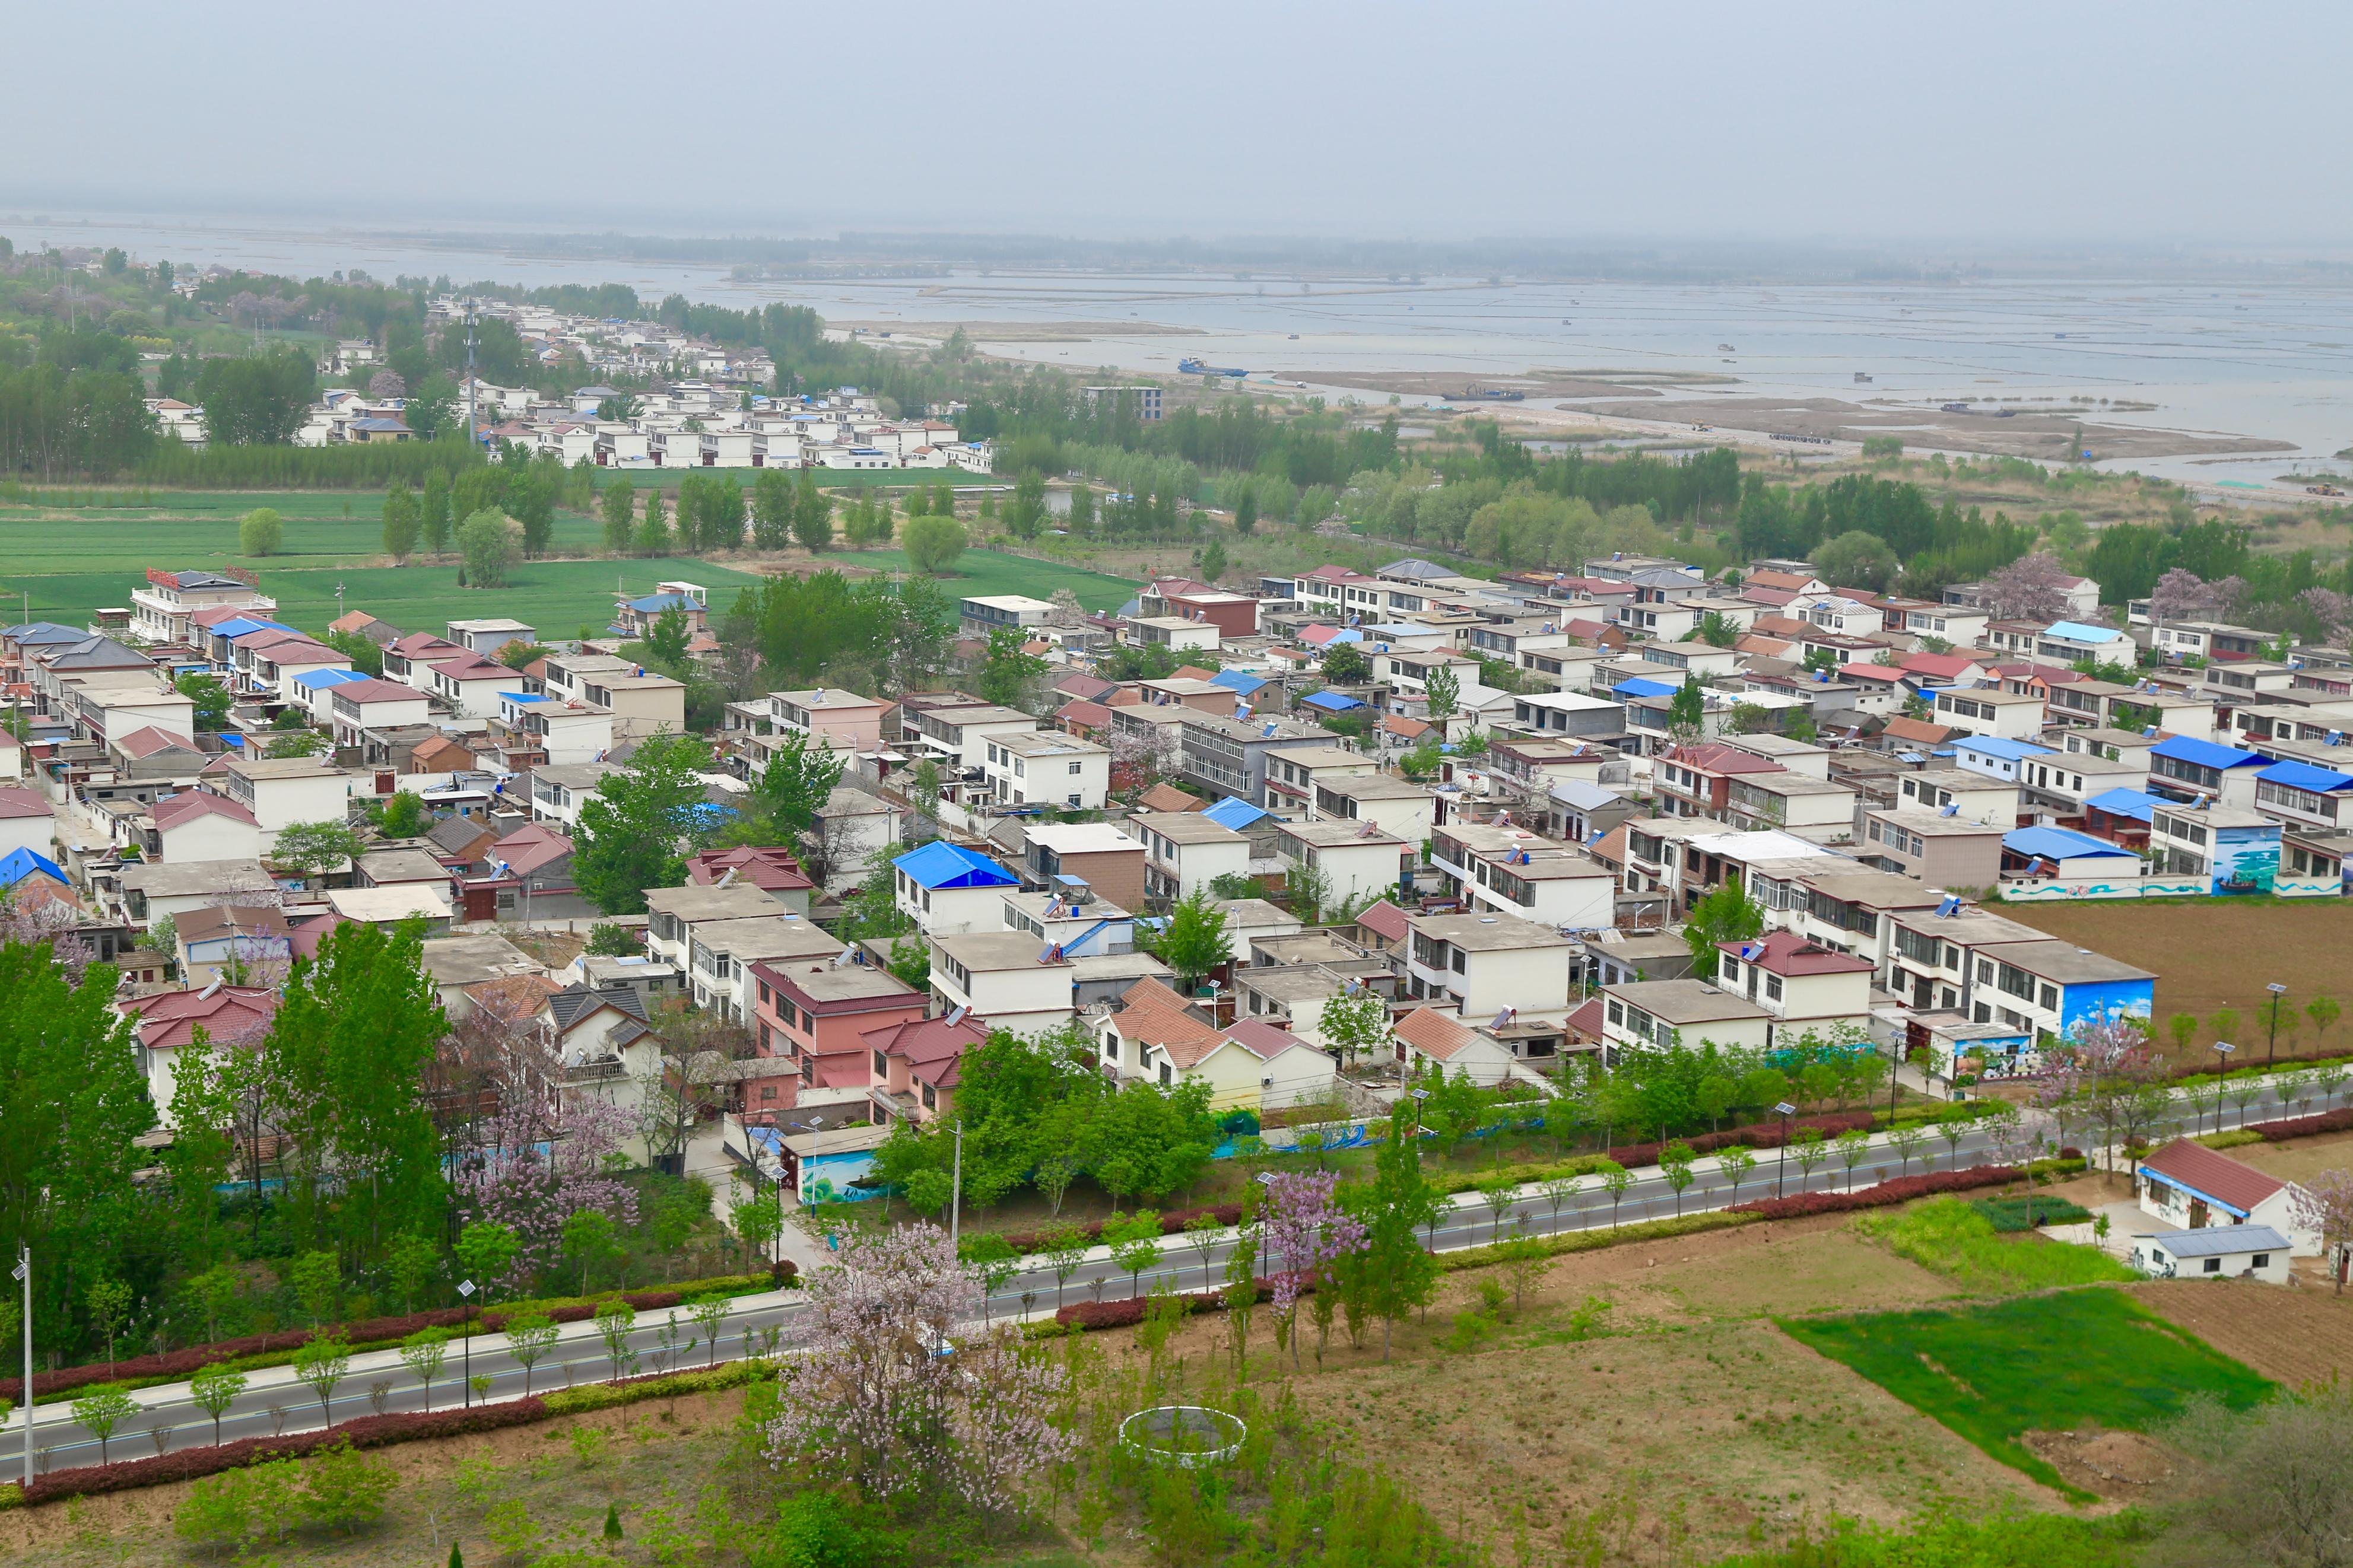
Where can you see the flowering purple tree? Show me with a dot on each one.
(2179, 595)
(387, 384)
(896, 1384)
(1305, 1232)
(2031, 588)
(2325, 1203)
(537, 1164)
(2332, 609)
(33, 922)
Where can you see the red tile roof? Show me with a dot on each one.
(1715, 757)
(188, 805)
(1919, 730)
(1264, 1040)
(1384, 919)
(768, 867)
(1434, 1035)
(1084, 714)
(1787, 953)
(24, 803)
(231, 1014)
(2215, 1175)
(1937, 666)
(378, 691)
(147, 740)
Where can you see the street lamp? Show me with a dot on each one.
(1784, 1110)
(2271, 1052)
(466, 1344)
(2222, 1049)
(24, 1272)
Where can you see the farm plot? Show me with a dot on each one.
(2293, 1337)
(2033, 1364)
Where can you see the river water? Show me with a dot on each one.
(2274, 361)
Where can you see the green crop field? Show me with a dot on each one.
(71, 561)
(978, 572)
(2043, 1362)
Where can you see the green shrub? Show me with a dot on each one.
(217, 1515)
(345, 1488)
(812, 1530)
(2008, 1214)
(2237, 1137)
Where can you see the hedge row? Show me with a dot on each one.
(365, 1432)
(2304, 1126)
(1886, 1194)
(370, 1333)
(381, 1431)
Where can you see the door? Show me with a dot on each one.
(2197, 1213)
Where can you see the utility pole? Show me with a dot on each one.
(24, 1271)
(956, 1195)
(472, 432)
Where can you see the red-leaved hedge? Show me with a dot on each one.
(1129, 1310)
(2305, 1126)
(365, 1432)
(1172, 1223)
(1886, 1194)
(176, 1364)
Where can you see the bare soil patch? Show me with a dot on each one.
(2024, 435)
(2121, 1466)
(2300, 1160)
(2292, 1335)
(2212, 952)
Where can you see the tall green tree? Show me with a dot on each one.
(433, 511)
(812, 515)
(212, 700)
(1393, 1273)
(256, 402)
(933, 543)
(771, 510)
(1195, 940)
(1006, 672)
(635, 832)
(1727, 914)
(403, 522)
(618, 505)
(347, 1053)
(72, 1099)
(795, 786)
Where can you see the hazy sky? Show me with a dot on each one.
(1980, 123)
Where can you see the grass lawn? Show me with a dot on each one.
(978, 572)
(72, 561)
(1957, 1240)
(2043, 1362)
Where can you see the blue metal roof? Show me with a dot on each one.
(318, 680)
(2303, 776)
(19, 864)
(1642, 686)
(2206, 753)
(2138, 805)
(656, 603)
(239, 625)
(1236, 813)
(2059, 843)
(1332, 702)
(2076, 631)
(2218, 1240)
(1240, 680)
(1996, 746)
(941, 864)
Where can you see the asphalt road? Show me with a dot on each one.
(275, 1402)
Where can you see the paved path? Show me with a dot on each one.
(580, 1355)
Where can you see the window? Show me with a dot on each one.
(1729, 967)
(1075, 767)
(2051, 998)
(881, 1064)
(2263, 1260)
(1617, 1012)
(2213, 1266)
(1773, 987)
